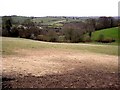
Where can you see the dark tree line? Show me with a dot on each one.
(105, 22)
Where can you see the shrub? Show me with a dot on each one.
(28, 32)
(41, 38)
(22, 33)
(61, 39)
(75, 37)
(32, 36)
(106, 40)
(68, 34)
(14, 32)
(52, 36)
(113, 40)
(5, 33)
(86, 39)
(72, 35)
(100, 38)
(51, 39)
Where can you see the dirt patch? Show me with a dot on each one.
(60, 68)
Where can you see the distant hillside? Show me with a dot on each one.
(47, 20)
(107, 33)
(50, 20)
(57, 20)
(19, 19)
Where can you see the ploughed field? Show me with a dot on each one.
(36, 64)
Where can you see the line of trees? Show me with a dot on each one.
(105, 22)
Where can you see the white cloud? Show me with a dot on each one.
(59, 7)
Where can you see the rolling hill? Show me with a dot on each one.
(107, 33)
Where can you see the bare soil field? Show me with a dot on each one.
(59, 68)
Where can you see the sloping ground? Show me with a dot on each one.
(11, 44)
(56, 68)
(107, 33)
(35, 64)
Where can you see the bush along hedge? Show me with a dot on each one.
(105, 40)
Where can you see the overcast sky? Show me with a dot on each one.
(59, 7)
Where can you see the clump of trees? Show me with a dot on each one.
(26, 30)
(105, 22)
(6, 25)
(73, 31)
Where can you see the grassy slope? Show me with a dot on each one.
(108, 33)
(11, 44)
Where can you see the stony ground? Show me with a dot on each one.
(50, 68)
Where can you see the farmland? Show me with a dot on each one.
(37, 64)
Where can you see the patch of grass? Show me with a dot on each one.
(99, 43)
(9, 45)
(107, 33)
